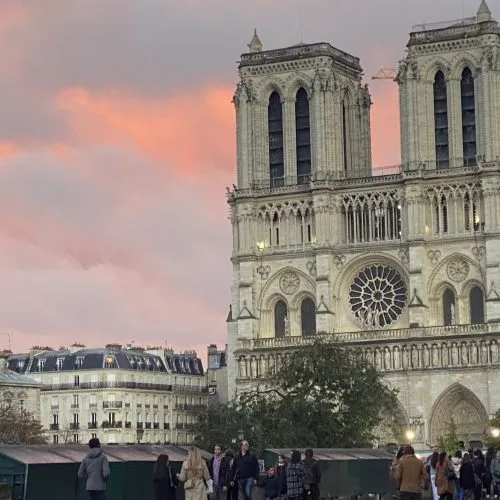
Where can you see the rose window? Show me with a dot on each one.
(378, 296)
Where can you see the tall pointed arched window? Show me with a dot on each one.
(280, 319)
(303, 136)
(441, 121)
(449, 312)
(275, 125)
(308, 317)
(476, 304)
(468, 117)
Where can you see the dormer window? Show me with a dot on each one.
(59, 364)
(79, 363)
(20, 366)
(109, 362)
(41, 365)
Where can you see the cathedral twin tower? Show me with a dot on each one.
(403, 266)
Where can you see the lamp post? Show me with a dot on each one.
(495, 433)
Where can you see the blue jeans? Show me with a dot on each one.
(246, 486)
(97, 495)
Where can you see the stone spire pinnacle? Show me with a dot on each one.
(484, 12)
(255, 45)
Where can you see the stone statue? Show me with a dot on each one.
(285, 320)
(452, 312)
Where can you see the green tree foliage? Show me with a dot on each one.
(320, 396)
(495, 425)
(450, 442)
(18, 426)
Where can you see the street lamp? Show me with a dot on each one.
(410, 435)
(495, 433)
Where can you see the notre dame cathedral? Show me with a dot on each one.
(404, 266)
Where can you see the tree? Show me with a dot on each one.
(18, 426)
(494, 440)
(322, 395)
(450, 442)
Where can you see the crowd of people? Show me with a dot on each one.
(224, 477)
(465, 476)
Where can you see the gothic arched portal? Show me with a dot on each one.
(468, 413)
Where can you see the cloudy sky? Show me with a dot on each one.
(117, 142)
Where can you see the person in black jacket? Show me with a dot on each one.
(218, 468)
(271, 484)
(480, 471)
(466, 478)
(164, 479)
(245, 470)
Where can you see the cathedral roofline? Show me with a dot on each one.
(302, 51)
(453, 30)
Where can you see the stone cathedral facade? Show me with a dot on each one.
(403, 266)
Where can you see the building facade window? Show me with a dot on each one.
(449, 307)
(441, 121)
(476, 304)
(468, 117)
(308, 317)
(303, 136)
(276, 155)
(280, 319)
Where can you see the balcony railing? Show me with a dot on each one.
(112, 405)
(92, 425)
(74, 426)
(128, 425)
(75, 406)
(188, 388)
(54, 427)
(148, 425)
(187, 407)
(140, 425)
(372, 335)
(106, 424)
(108, 385)
(156, 425)
(92, 405)
(166, 425)
(54, 407)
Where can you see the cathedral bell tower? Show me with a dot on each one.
(303, 125)
(449, 87)
(301, 113)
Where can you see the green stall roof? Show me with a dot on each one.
(61, 454)
(329, 454)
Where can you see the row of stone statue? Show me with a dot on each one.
(444, 354)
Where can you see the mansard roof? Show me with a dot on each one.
(105, 358)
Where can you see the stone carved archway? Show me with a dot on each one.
(393, 426)
(463, 406)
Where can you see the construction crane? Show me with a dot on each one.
(386, 74)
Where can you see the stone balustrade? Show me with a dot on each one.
(461, 346)
(402, 334)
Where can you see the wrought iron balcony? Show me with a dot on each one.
(112, 405)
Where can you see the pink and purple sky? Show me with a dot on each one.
(117, 142)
